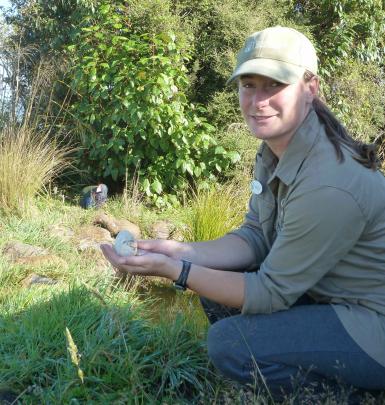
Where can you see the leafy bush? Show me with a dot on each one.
(358, 99)
(218, 32)
(350, 41)
(134, 112)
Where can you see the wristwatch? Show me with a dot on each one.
(181, 283)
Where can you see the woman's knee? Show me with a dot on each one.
(219, 342)
(228, 351)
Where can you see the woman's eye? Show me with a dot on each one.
(275, 84)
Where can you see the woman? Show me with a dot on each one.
(297, 293)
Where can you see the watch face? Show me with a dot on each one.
(179, 287)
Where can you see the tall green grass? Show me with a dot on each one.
(122, 357)
(216, 211)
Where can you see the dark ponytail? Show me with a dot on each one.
(366, 154)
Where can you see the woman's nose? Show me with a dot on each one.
(260, 100)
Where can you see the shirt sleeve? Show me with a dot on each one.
(318, 229)
(251, 232)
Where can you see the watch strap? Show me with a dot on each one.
(181, 282)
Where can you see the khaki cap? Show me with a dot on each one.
(280, 53)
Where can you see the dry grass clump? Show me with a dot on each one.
(29, 160)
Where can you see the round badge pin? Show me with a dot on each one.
(256, 187)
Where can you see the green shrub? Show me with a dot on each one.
(358, 99)
(133, 108)
(218, 32)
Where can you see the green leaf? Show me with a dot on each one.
(156, 186)
(219, 150)
(104, 9)
(146, 187)
(234, 156)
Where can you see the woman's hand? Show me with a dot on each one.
(146, 263)
(171, 248)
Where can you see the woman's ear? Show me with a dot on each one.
(312, 87)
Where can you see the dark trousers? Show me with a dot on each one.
(304, 347)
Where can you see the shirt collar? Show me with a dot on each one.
(298, 149)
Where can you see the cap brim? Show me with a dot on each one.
(283, 72)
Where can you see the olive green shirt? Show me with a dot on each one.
(317, 226)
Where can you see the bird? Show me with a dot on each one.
(94, 196)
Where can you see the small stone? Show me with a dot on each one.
(15, 250)
(116, 225)
(36, 279)
(43, 260)
(108, 222)
(161, 229)
(91, 237)
(125, 225)
(61, 232)
(125, 244)
(179, 234)
(96, 262)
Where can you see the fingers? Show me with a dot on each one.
(111, 255)
(146, 263)
(166, 247)
(152, 244)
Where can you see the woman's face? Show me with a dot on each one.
(273, 111)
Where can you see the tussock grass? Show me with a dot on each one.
(28, 161)
(216, 211)
(31, 155)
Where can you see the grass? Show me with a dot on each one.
(90, 339)
(123, 354)
(29, 160)
(216, 211)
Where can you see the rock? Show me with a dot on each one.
(96, 262)
(91, 237)
(179, 235)
(117, 225)
(125, 244)
(124, 225)
(108, 222)
(161, 229)
(15, 250)
(61, 232)
(43, 260)
(36, 279)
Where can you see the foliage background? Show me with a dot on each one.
(349, 37)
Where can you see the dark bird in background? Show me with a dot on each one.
(94, 196)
